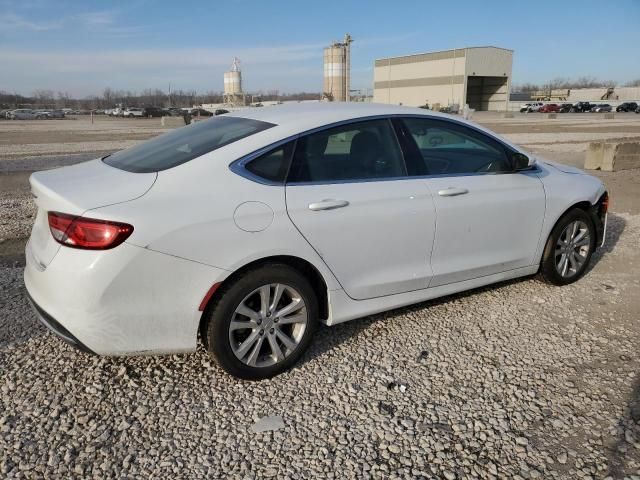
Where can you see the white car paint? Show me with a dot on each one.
(133, 112)
(395, 226)
(475, 234)
(396, 242)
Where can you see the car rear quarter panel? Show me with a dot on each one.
(203, 212)
(127, 300)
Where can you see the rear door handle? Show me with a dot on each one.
(328, 205)
(452, 192)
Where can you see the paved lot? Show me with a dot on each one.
(519, 380)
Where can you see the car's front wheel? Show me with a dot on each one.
(262, 322)
(569, 248)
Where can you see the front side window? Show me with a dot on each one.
(184, 144)
(356, 151)
(449, 148)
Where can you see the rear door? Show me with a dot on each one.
(349, 196)
(488, 217)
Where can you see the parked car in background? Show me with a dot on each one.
(565, 108)
(117, 112)
(222, 111)
(535, 107)
(638, 109)
(627, 107)
(55, 114)
(549, 108)
(174, 112)
(580, 107)
(24, 114)
(531, 107)
(42, 114)
(195, 112)
(601, 107)
(119, 263)
(4, 112)
(153, 112)
(133, 112)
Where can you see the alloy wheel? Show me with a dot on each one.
(572, 248)
(268, 325)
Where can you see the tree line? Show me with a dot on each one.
(568, 83)
(147, 98)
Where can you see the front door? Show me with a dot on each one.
(488, 217)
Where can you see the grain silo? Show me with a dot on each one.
(337, 65)
(233, 93)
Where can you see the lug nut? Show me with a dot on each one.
(272, 330)
(261, 332)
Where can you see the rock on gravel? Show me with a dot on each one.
(510, 387)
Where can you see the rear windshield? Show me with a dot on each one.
(184, 144)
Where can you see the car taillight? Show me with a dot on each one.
(87, 233)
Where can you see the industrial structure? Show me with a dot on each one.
(233, 94)
(337, 66)
(477, 76)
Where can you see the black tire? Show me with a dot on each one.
(215, 333)
(548, 270)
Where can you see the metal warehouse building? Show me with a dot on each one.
(479, 76)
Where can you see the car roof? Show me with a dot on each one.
(292, 119)
(305, 116)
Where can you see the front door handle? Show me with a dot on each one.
(452, 192)
(328, 205)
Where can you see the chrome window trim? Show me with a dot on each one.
(238, 166)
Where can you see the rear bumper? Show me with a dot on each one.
(56, 328)
(124, 301)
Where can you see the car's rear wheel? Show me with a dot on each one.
(262, 323)
(569, 248)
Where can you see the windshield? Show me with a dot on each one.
(184, 144)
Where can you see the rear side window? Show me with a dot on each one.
(184, 144)
(447, 148)
(356, 151)
(272, 166)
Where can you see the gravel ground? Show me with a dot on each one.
(17, 212)
(522, 380)
(519, 380)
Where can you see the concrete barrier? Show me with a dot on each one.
(609, 116)
(552, 115)
(612, 157)
(172, 122)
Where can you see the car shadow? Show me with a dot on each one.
(329, 338)
(615, 227)
(618, 453)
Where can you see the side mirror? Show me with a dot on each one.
(521, 161)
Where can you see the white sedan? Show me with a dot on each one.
(252, 227)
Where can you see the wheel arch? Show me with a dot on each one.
(592, 209)
(303, 266)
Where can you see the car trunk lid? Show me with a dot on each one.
(74, 190)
